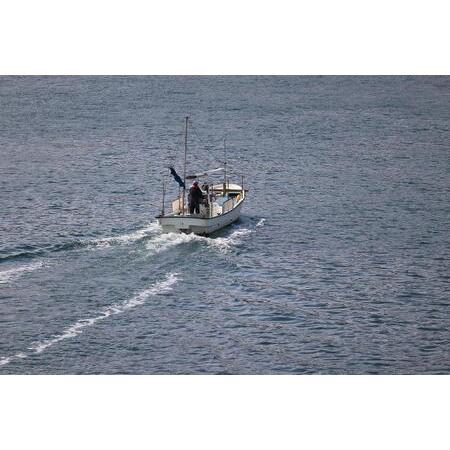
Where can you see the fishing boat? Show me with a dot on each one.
(220, 203)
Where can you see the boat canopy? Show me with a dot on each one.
(204, 174)
(230, 187)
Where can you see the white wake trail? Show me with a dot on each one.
(123, 239)
(79, 326)
(165, 241)
(7, 276)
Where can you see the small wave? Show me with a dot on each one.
(78, 327)
(105, 242)
(225, 244)
(261, 222)
(22, 255)
(7, 276)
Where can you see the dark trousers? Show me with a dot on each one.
(194, 207)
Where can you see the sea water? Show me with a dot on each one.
(339, 264)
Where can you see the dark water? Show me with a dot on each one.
(340, 263)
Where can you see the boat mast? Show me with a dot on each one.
(163, 196)
(185, 157)
(225, 165)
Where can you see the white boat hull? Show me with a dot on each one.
(199, 225)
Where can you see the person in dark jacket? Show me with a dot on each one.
(195, 197)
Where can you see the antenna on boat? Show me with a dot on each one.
(163, 195)
(225, 165)
(185, 157)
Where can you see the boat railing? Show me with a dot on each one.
(231, 203)
(227, 206)
(177, 205)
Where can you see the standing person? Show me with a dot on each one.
(195, 196)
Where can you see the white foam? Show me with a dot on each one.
(7, 276)
(225, 244)
(165, 241)
(261, 222)
(79, 326)
(123, 239)
(5, 360)
(8, 359)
